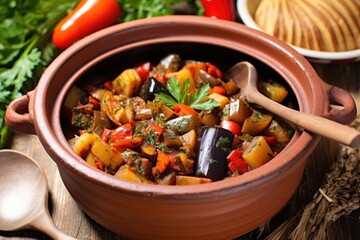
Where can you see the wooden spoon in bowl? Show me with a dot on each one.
(23, 195)
(245, 76)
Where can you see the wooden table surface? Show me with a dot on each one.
(71, 220)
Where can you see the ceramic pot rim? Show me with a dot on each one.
(51, 136)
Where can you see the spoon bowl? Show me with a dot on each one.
(244, 75)
(23, 195)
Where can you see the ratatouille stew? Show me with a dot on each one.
(179, 122)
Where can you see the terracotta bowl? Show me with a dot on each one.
(219, 210)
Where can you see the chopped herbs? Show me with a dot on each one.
(223, 143)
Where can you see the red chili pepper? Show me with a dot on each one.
(220, 9)
(87, 17)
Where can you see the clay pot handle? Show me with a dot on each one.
(17, 116)
(346, 113)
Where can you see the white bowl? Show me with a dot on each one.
(246, 9)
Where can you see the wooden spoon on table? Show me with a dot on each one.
(245, 76)
(23, 196)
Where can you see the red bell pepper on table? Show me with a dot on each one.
(220, 9)
(87, 17)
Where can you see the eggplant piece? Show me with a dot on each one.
(184, 124)
(202, 77)
(170, 63)
(167, 178)
(149, 152)
(215, 145)
(171, 139)
(99, 122)
(166, 113)
(72, 99)
(150, 87)
(143, 114)
(282, 131)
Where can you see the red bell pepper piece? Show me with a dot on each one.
(105, 135)
(144, 71)
(220, 9)
(182, 110)
(237, 164)
(154, 128)
(269, 139)
(125, 143)
(213, 70)
(163, 160)
(99, 165)
(108, 85)
(218, 89)
(120, 133)
(94, 102)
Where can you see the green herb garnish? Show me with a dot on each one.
(196, 100)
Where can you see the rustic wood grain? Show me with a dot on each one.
(71, 220)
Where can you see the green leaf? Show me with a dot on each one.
(196, 99)
(166, 99)
(185, 90)
(174, 88)
(199, 95)
(206, 105)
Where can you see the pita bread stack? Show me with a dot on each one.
(321, 25)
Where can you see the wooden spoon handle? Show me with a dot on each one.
(315, 124)
(45, 224)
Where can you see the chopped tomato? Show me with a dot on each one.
(231, 126)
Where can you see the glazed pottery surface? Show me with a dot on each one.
(219, 210)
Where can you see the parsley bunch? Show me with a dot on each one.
(25, 47)
(196, 100)
(137, 9)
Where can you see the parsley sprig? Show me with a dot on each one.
(196, 100)
(25, 47)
